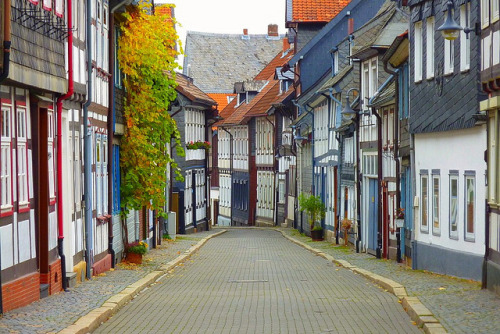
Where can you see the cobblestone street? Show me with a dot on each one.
(255, 281)
(56, 312)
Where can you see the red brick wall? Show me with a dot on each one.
(21, 292)
(53, 277)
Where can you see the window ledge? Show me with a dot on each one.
(470, 239)
(430, 78)
(465, 70)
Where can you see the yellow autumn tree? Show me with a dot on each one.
(147, 58)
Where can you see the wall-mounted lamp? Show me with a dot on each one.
(348, 113)
(450, 29)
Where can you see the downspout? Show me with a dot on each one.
(396, 153)
(484, 281)
(339, 172)
(87, 144)
(3, 76)
(379, 163)
(59, 106)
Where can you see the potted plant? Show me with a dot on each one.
(135, 251)
(400, 217)
(316, 210)
(197, 145)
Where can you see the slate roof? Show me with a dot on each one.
(186, 87)
(216, 61)
(368, 34)
(314, 10)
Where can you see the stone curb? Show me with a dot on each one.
(412, 305)
(89, 322)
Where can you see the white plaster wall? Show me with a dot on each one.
(453, 150)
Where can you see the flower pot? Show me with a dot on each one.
(317, 235)
(134, 258)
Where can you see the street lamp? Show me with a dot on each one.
(348, 112)
(450, 29)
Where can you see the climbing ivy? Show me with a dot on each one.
(146, 57)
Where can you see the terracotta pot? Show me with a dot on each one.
(134, 258)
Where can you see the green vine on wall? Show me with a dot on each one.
(147, 59)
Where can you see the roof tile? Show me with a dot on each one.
(316, 10)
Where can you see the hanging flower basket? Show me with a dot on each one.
(198, 145)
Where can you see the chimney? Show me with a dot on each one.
(272, 30)
(350, 26)
(245, 32)
(286, 44)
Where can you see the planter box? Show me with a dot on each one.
(134, 258)
(317, 235)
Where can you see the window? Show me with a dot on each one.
(436, 228)
(448, 56)
(418, 51)
(493, 156)
(495, 11)
(464, 39)
(485, 13)
(118, 72)
(424, 226)
(22, 158)
(51, 150)
(470, 205)
(429, 48)
(335, 62)
(454, 206)
(369, 80)
(6, 175)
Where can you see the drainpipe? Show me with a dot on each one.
(339, 171)
(3, 76)
(395, 73)
(87, 153)
(484, 281)
(379, 163)
(59, 106)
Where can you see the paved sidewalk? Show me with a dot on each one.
(57, 312)
(460, 305)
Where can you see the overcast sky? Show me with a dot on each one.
(227, 16)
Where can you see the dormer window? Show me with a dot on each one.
(241, 97)
(284, 85)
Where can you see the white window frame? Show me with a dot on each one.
(22, 156)
(449, 57)
(436, 204)
(335, 62)
(495, 11)
(493, 158)
(417, 56)
(424, 205)
(454, 205)
(485, 13)
(470, 236)
(6, 167)
(51, 150)
(464, 40)
(429, 47)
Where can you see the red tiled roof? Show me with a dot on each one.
(271, 67)
(221, 99)
(316, 10)
(261, 107)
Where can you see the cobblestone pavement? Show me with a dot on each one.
(56, 312)
(460, 305)
(256, 281)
